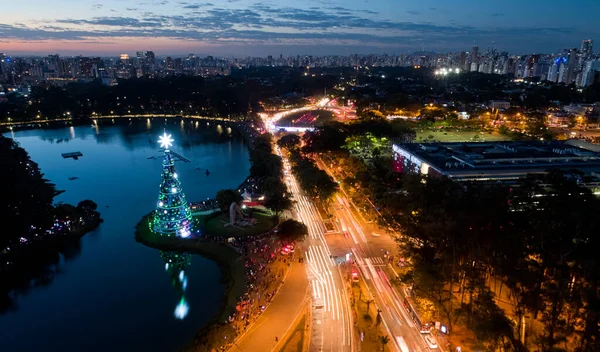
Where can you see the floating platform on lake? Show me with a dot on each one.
(73, 155)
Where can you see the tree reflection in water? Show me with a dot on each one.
(176, 265)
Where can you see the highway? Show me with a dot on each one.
(331, 315)
(372, 265)
(331, 306)
(374, 269)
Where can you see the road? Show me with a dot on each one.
(332, 319)
(279, 315)
(369, 253)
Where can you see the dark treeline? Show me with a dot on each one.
(539, 238)
(315, 182)
(223, 96)
(36, 232)
(332, 136)
(408, 89)
(267, 168)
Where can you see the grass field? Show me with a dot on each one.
(213, 225)
(458, 136)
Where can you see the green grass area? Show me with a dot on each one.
(213, 224)
(295, 342)
(449, 135)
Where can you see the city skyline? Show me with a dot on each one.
(258, 28)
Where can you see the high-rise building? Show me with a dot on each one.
(150, 58)
(562, 73)
(586, 48)
(590, 73)
(553, 71)
(462, 61)
(571, 69)
(474, 54)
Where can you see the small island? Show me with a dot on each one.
(37, 231)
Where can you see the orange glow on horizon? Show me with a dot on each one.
(103, 46)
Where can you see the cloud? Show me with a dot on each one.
(413, 12)
(496, 14)
(188, 5)
(117, 22)
(154, 3)
(433, 8)
(263, 23)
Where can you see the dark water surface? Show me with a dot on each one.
(116, 295)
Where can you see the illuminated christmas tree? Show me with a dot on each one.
(173, 216)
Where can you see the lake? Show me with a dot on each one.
(116, 294)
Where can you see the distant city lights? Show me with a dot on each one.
(447, 71)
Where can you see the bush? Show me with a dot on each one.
(227, 196)
(292, 230)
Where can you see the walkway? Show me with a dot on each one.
(279, 315)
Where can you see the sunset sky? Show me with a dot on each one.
(289, 27)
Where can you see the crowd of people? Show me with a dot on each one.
(265, 268)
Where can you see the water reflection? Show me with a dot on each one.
(176, 264)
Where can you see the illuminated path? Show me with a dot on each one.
(279, 315)
(118, 117)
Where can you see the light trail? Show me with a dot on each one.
(328, 288)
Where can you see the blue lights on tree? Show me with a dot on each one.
(173, 216)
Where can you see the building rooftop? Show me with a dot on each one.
(497, 160)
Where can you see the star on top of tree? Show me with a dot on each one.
(165, 140)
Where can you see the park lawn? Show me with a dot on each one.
(213, 225)
(295, 342)
(458, 136)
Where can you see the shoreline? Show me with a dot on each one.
(233, 273)
(54, 241)
(25, 265)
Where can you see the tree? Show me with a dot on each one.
(292, 230)
(384, 340)
(535, 100)
(64, 211)
(487, 320)
(289, 141)
(172, 216)
(277, 197)
(27, 197)
(227, 196)
(327, 137)
(265, 164)
(87, 204)
(591, 94)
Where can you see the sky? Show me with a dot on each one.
(293, 27)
